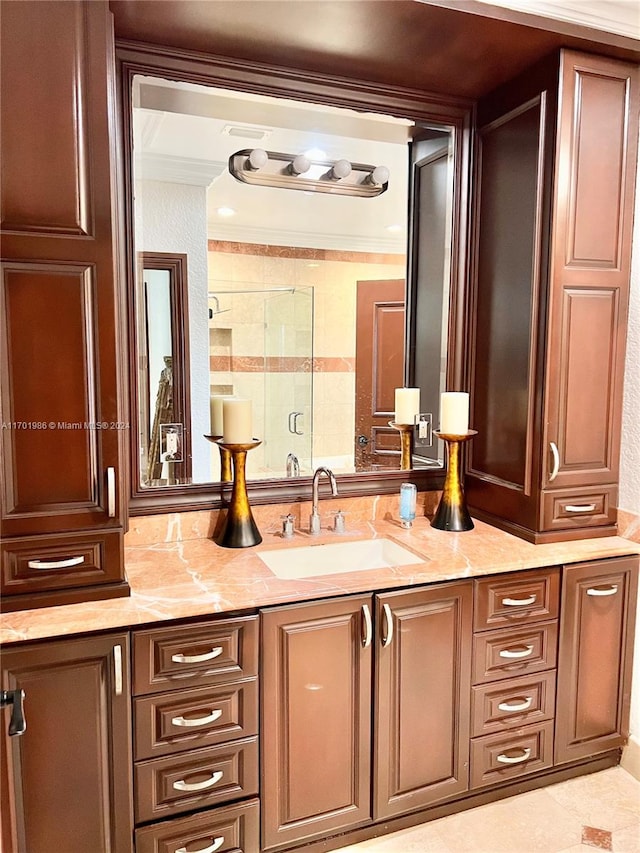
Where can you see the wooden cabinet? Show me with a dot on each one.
(63, 430)
(594, 668)
(196, 736)
(66, 782)
(324, 768)
(557, 151)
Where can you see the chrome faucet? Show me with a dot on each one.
(314, 518)
(293, 465)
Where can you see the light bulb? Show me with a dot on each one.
(340, 169)
(299, 165)
(257, 159)
(378, 177)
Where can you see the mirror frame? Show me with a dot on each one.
(453, 114)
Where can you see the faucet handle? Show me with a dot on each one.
(287, 526)
(338, 521)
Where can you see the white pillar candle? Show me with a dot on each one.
(407, 405)
(454, 413)
(215, 403)
(237, 421)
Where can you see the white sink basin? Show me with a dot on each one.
(337, 557)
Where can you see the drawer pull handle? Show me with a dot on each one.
(580, 507)
(519, 602)
(214, 653)
(181, 785)
(111, 492)
(516, 759)
(217, 844)
(516, 706)
(556, 461)
(367, 632)
(609, 590)
(55, 564)
(516, 653)
(187, 722)
(388, 619)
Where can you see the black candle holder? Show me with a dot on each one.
(452, 513)
(239, 529)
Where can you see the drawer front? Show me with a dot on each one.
(188, 719)
(513, 599)
(512, 702)
(587, 507)
(61, 561)
(514, 651)
(497, 758)
(191, 655)
(196, 779)
(226, 829)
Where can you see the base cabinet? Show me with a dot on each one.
(316, 712)
(594, 668)
(66, 782)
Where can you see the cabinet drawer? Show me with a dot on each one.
(187, 719)
(496, 758)
(514, 651)
(517, 598)
(227, 829)
(587, 507)
(203, 653)
(512, 702)
(57, 562)
(196, 779)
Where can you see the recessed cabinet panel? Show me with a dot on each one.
(46, 188)
(48, 420)
(316, 719)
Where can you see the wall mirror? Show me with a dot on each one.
(314, 305)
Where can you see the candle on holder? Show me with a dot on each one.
(237, 421)
(407, 405)
(454, 413)
(215, 402)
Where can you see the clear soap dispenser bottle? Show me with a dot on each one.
(407, 504)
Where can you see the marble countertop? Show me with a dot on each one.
(176, 577)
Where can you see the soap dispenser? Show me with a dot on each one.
(407, 504)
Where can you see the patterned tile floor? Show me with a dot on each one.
(596, 812)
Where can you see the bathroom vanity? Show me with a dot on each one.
(225, 705)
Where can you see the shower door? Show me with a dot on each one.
(288, 392)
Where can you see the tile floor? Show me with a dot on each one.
(596, 812)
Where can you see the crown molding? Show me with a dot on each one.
(394, 245)
(178, 170)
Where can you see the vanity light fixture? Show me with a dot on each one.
(306, 173)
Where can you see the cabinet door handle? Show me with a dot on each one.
(387, 634)
(598, 590)
(516, 706)
(580, 507)
(17, 722)
(519, 602)
(55, 564)
(189, 722)
(111, 492)
(516, 653)
(117, 670)
(556, 461)
(367, 633)
(182, 658)
(516, 759)
(181, 785)
(217, 844)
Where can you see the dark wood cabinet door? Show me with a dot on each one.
(423, 678)
(315, 727)
(594, 666)
(66, 782)
(59, 389)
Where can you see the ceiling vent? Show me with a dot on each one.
(247, 131)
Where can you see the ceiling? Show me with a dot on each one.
(462, 48)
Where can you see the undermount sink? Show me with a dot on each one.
(337, 557)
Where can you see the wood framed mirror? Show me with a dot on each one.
(170, 81)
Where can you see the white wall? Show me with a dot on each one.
(173, 218)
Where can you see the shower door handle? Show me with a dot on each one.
(293, 423)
